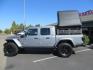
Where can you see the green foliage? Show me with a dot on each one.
(29, 26)
(1, 31)
(86, 40)
(15, 28)
(7, 31)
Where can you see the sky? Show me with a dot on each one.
(41, 12)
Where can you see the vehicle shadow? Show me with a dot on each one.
(35, 51)
(8, 67)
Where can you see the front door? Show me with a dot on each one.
(31, 39)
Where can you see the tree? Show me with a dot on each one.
(1, 31)
(13, 27)
(22, 26)
(7, 31)
(38, 25)
(29, 26)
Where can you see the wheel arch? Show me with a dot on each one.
(16, 42)
(66, 41)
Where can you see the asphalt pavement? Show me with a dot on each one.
(2, 57)
(82, 60)
(45, 60)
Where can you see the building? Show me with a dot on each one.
(87, 23)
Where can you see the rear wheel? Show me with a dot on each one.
(10, 49)
(65, 50)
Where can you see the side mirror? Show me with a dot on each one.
(22, 34)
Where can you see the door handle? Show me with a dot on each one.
(47, 38)
(35, 38)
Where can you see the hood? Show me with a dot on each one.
(12, 37)
(21, 33)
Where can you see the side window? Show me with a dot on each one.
(69, 31)
(45, 31)
(32, 32)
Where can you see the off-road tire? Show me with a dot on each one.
(10, 49)
(65, 50)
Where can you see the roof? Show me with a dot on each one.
(86, 16)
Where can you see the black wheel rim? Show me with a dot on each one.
(10, 50)
(65, 51)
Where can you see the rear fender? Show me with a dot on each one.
(66, 41)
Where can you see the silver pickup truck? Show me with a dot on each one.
(62, 41)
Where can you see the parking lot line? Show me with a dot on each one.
(38, 60)
(44, 59)
(83, 50)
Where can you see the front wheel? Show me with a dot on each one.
(65, 50)
(10, 49)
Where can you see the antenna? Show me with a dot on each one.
(24, 17)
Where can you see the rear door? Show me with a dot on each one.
(47, 38)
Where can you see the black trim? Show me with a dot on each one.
(30, 47)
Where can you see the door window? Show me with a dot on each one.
(32, 32)
(45, 31)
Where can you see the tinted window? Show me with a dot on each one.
(69, 32)
(32, 32)
(45, 31)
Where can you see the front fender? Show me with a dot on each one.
(16, 41)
